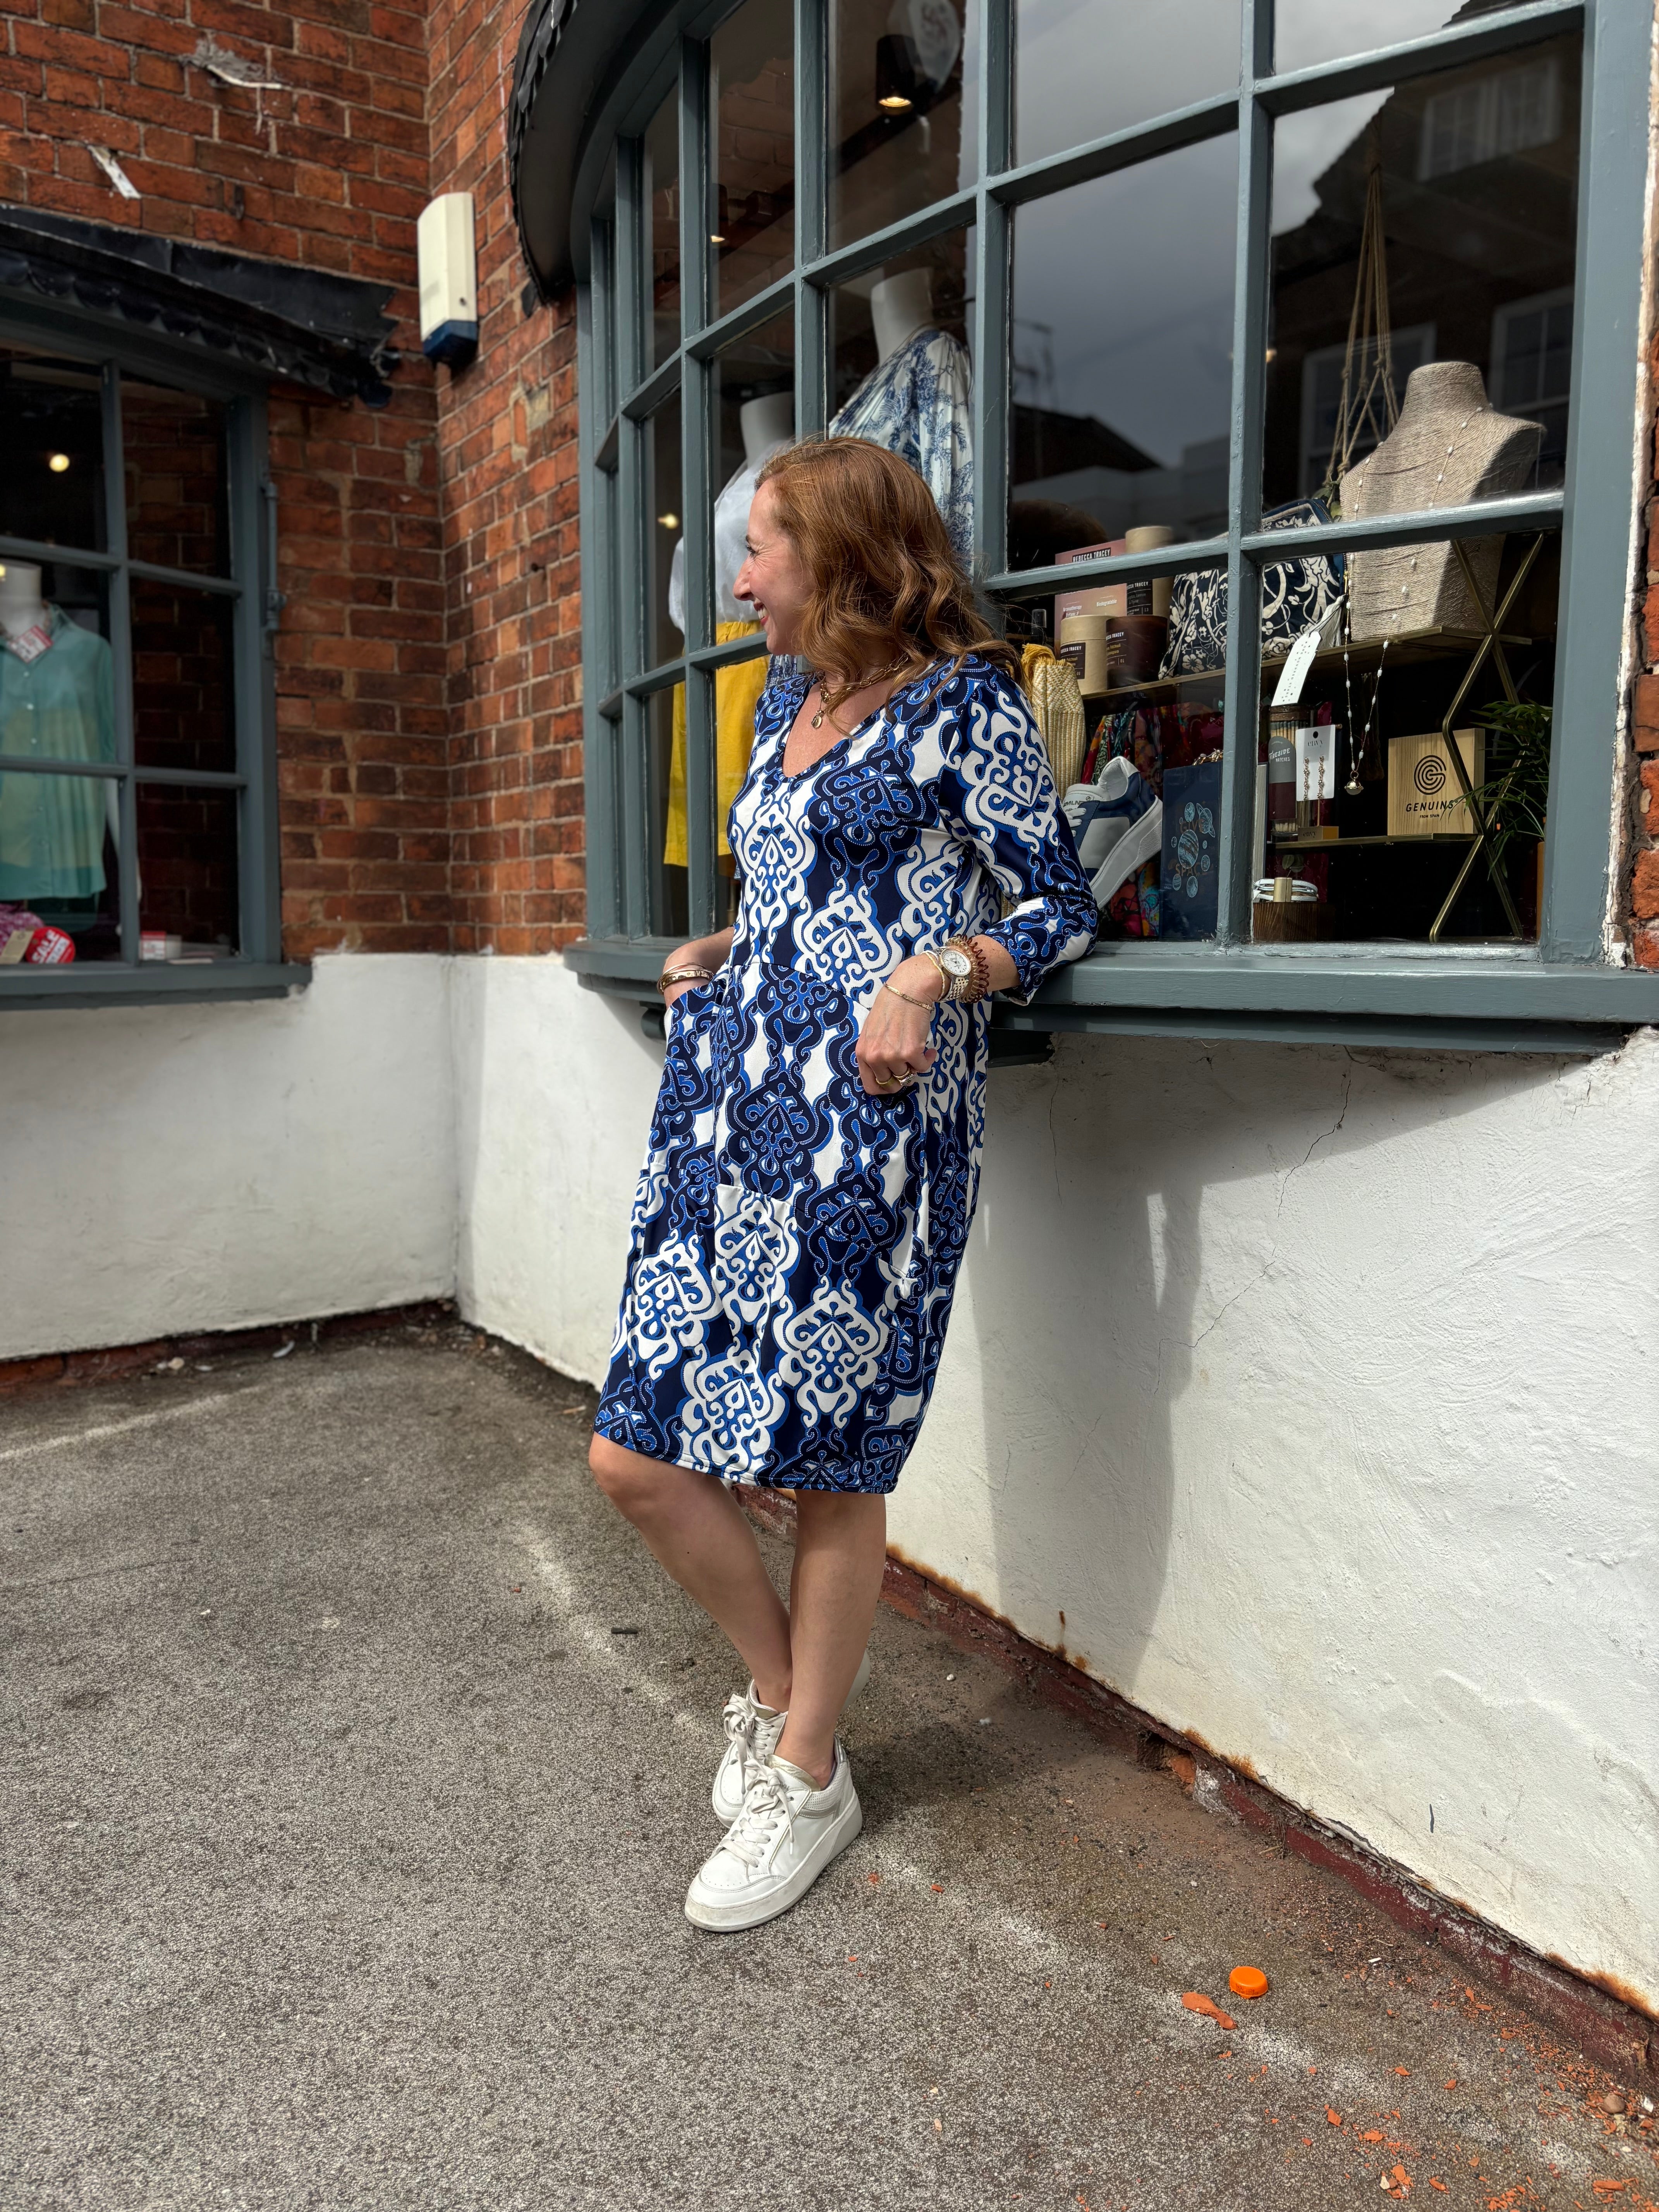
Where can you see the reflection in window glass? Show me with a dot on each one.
(752, 88)
(187, 888)
(51, 489)
(183, 695)
(755, 389)
(172, 447)
(661, 192)
(1453, 201)
(901, 126)
(667, 913)
(1121, 356)
(59, 871)
(665, 524)
(1307, 31)
(899, 372)
(1085, 68)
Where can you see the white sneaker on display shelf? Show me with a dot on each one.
(1118, 824)
(788, 1831)
(752, 1731)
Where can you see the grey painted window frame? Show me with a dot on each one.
(1570, 990)
(259, 970)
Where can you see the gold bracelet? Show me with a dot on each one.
(926, 1005)
(670, 977)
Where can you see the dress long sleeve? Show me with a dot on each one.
(996, 790)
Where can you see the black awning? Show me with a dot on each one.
(571, 54)
(303, 324)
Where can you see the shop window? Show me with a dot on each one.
(1121, 346)
(1085, 68)
(1204, 340)
(133, 749)
(751, 88)
(901, 134)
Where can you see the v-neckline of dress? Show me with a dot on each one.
(857, 731)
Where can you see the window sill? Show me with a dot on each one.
(1477, 1000)
(152, 983)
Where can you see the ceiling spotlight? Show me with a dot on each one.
(57, 463)
(668, 521)
(717, 238)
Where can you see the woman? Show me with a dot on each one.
(814, 1156)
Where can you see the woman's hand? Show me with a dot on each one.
(709, 952)
(893, 1043)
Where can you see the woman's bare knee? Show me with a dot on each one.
(625, 1477)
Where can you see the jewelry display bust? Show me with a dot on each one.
(1448, 448)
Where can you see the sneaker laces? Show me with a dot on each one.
(739, 1717)
(766, 1807)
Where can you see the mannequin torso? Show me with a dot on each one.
(1449, 447)
(21, 607)
(899, 307)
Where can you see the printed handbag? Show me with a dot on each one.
(1295, 594)
(1188, 902)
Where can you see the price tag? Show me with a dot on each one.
(31, 643)
(1294, 673)
(15, 945)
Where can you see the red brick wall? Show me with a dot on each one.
(507, 455)
(330, 172)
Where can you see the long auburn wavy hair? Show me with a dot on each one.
(889, 596)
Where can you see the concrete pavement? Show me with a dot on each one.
(356, 1759)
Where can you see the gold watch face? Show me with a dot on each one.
(957, 962)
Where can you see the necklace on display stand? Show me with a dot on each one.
(1358, 745)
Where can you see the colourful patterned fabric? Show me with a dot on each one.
(918, 404)
(796, 1242)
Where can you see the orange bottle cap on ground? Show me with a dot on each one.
(1248, 1981)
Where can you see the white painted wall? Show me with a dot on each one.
(170, 1168)
(1313, 1389)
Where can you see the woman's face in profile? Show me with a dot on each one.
(773, 578)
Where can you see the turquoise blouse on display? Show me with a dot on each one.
(59, 706)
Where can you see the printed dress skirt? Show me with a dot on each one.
(796, 1241)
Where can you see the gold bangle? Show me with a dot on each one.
(926, 1005)
(670, 977)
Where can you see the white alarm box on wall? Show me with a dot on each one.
(449, 279)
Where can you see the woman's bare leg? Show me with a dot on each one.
(841, 1549)
(697, 1530)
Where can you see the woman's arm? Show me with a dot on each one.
(701, 952)
(894, 1038)
(997, 792)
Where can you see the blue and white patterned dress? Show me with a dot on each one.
(796, 1242)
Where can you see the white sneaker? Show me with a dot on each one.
(752, 1731)
(787, 1833)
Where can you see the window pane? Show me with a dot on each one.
(1122, 343)
(51, 488)
(665, 621)
(187, 893)
(56, 694)
(900, 372)
(1085, 68)
(903, 75)
(667, 913)
(660, 190)
(172, 447)
(753, 90)
(1451, 202)
(1361, 802)
(183, 698)
(1307, 31)
(754, 384)
(59, 843)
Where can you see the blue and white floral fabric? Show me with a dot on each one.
(918, 404)
(795, 1241)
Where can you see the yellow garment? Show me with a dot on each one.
(737, 694)
(1058, 706)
